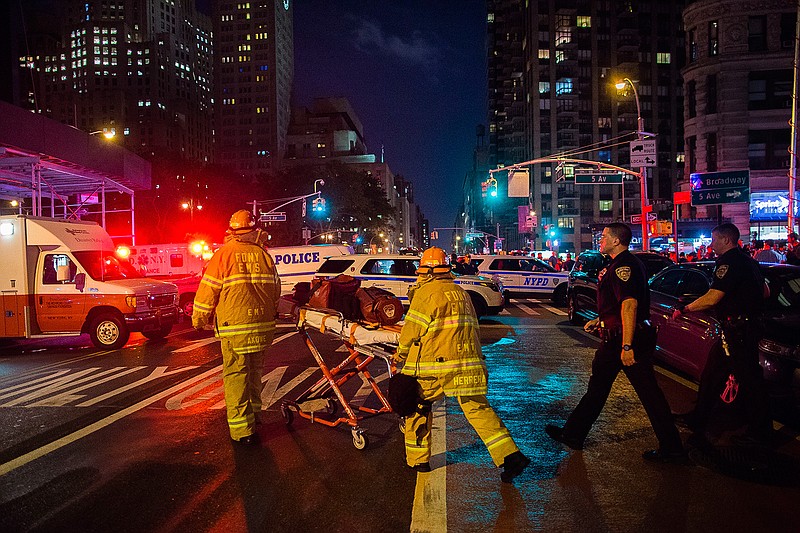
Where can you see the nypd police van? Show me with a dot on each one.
(396, 273)
(524, 276)
(300, 263)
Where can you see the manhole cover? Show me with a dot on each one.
(759, 465)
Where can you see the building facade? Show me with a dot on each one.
(552, 68)
(254, 64)
(140, 69)
(738, 85)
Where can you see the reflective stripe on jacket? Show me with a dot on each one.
(241, 286)
(440, 338)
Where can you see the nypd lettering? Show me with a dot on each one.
(297, 259)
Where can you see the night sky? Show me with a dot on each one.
(415, 74)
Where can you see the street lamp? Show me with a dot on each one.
(108, 134)
(642, 170)
(191, 206)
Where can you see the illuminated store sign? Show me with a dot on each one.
(770, 206)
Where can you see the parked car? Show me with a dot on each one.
(396, 273)
(524, 276)
(582, 285)
(685, 343)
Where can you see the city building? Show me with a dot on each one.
(139, 70)
(552, 69)
(254, 68)
(738, 84)
(330, 130)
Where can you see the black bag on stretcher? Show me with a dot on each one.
(379, 306)
(337, 293)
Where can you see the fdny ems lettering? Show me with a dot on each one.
(297, 259)
(457, 302)
(247, 262)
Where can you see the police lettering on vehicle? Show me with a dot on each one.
(297, 259)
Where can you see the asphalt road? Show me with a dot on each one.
(136, 440)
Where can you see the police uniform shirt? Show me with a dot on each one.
(738, 276)
(623, 278)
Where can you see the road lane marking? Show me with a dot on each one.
(675, 377)
(24, 459)
(159, 372)
(57, 384)
(529, 310)
(195, 345)
(60, 400)
(553, 310)
(429, 513)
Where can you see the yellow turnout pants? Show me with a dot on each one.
(241, 377)
(479, 414)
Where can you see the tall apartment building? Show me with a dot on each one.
(738, 84)
(552, 68)
(139, 68)
(254, 67)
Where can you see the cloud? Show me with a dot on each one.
(415, 49)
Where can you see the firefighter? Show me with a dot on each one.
(441, 347)
(240, 288)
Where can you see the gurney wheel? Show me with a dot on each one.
(333, 406)
(359, 440)
(287, 414)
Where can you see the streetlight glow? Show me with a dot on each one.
(642, 170)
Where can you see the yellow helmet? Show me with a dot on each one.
(242, 219)
(433, 261)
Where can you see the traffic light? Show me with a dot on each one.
(318, 205)
(484, 188)
(492, 185)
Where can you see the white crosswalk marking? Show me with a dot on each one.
(528, 310)
(430, 496)
(553, 310)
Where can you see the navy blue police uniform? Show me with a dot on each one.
(624, 278)
(739, 278)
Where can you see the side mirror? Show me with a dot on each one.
(80, 281)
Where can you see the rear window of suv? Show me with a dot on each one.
(335, 266)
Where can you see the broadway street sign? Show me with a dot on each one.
(729, 187)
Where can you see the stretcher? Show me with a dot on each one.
(365, 344)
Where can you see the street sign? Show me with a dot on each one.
(643, 153)
(682, 197)
(728, 187)
(471, 235)
(637, 219)
(273, 217)
(598, 177)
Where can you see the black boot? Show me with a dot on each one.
(513, 465)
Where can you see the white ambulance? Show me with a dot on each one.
(63, 278)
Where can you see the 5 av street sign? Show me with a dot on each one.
(598, 177)
(273, 217)
(728, 187)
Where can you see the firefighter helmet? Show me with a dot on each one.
(433, 261)
(242, 219)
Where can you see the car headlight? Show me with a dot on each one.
(778, 349)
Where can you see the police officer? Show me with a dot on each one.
(737, 296)
(628, 342)
(242, 286)
(441, 346)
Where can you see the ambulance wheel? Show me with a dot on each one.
(360, 440)
(109, 332)
(287, 414)
(187, 304)
(479, 304)
(158, 334)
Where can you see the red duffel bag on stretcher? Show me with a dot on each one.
(337, 293)
(379, 306)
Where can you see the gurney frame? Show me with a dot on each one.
(327, 392)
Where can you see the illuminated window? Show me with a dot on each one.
(584, 21)
(606, 205)
(663, 58)
(544, 53)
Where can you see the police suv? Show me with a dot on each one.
(524, 276)
(299, 263)
(396, 273)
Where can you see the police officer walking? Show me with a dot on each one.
(242, 286)
(737, 296)
(441, 346)
(628, 342)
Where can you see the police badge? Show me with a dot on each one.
(721, 271)
(623, 273)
